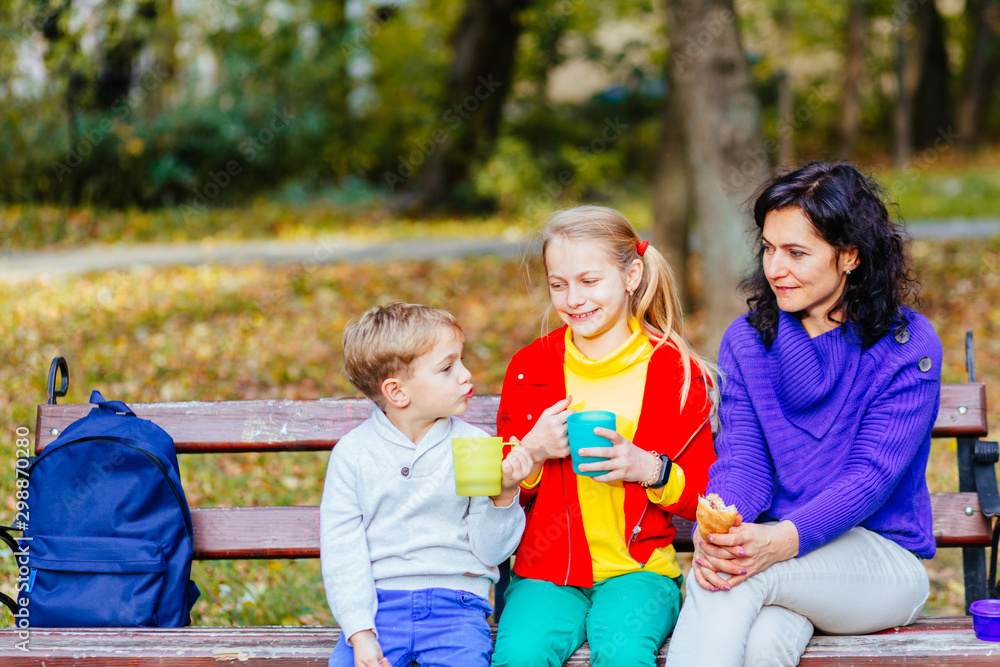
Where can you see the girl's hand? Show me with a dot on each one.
(516, 468)
(367, 650)
(747, 549)
(548, 439)
(626, 462)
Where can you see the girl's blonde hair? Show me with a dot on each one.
(655, 302)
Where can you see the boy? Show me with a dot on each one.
(407, 563)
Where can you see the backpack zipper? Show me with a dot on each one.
(166, 476)
(156, 461)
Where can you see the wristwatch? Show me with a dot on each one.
(661, 481)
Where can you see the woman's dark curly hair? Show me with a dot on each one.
(846, 209)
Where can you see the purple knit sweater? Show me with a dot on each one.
(827, 435)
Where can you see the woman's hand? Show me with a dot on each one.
(747, 549)
(367, 650)
(626, 462)
(548, 439)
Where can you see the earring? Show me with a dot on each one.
(631, 292)
(848, 272)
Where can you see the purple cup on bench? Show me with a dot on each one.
(986, 619)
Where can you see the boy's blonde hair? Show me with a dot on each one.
(655, 304)
(387, 339)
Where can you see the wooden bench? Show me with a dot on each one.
(293, 532)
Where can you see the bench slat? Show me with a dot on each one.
(962, 411)
(953, 527)
(251, 426)
(938, 641)
(317, 424)
(255, 532)
(293, 532)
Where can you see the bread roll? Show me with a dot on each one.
(713, 515)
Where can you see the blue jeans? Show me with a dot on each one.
(436, 627)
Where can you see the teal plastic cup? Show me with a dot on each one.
(581, 427)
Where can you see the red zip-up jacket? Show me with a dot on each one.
(554, 545)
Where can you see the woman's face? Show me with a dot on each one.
(590, 294)
(805, 272)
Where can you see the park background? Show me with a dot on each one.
(217, 122)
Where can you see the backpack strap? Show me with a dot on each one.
(991, 581)
(9, 540)
(116, 406)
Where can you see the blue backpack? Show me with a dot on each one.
(109, 539)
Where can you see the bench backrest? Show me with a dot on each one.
(310, 425)
(286, 425)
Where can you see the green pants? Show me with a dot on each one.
(625, 619)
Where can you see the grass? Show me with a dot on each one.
(944, 184)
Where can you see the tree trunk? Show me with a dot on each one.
(854, 62)
(121, 46)
(482, 68)
(982, 19)
(786, 119)
(164, 94)
(672, 200)
(932, 104)
(333, 56)
(59, 62)
(725, 145)
(907, 80)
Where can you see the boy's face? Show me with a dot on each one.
(439, 384)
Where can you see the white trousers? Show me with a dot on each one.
(859, 583)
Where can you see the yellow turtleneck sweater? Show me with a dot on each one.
(616, 383)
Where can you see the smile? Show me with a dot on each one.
(582, 316)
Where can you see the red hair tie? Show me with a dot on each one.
(641, 246)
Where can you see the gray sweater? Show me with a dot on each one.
(390, 519)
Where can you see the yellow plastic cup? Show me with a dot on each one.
(478, 465)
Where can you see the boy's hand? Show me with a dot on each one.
(367, 650)
(516, 468)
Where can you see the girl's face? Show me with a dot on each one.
(590, 293)
(806, 273)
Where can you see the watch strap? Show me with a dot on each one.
(664, 473)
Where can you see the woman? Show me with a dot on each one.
(596, 561)
(830, 390)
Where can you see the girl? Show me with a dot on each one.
(830, 392)
(596, 561)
